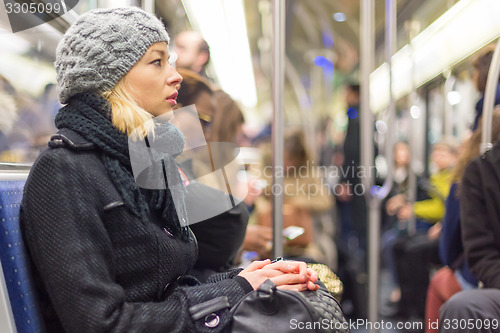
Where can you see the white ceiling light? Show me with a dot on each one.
(222, 24)
(339, 17)
(454, 97)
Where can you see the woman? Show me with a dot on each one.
(108, 255)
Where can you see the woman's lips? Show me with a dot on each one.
(172, 98)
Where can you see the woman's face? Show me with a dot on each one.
(153, 81)
(402, 155)
(442, 157)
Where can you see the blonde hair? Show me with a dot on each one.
(471, 147)
(126, 115)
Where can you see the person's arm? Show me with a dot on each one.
(478, 224)
(71, 250)
(292, 216)
(433, 209)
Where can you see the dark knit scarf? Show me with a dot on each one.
(90, 116)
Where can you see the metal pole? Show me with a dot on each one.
(148, 6)
(278, 82)
(390, 49)
(412, 176)
(448, 108)
(367, 48)
(489, 99)
(374, 202)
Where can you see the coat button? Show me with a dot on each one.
(212, 320)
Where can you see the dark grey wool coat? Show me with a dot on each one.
(480, 217)
(99, 268)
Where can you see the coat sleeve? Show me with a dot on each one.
(72, 253)
(481, 250)
(432, 210)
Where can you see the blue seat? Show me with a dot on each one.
(15, 266)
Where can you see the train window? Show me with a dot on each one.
(28, 94)
(28, 100)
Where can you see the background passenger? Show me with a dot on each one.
(481, 66)
(305, 196)
(219, 237)
(193, 52)
(479, 221)
(347, 198)
(196, 90)
(393, 224)
(8, 110)
(456, 275)
(414, 253)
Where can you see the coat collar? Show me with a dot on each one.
(70, 139)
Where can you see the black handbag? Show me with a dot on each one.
(269, 309)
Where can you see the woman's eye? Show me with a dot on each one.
(157, 62)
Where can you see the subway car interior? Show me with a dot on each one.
(343, 130)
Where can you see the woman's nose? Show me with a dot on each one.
(174, 78)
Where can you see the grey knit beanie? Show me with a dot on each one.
(101, 47)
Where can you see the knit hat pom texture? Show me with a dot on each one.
(101, 47)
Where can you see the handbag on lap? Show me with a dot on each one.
(269, 309)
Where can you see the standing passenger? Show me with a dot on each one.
(193, 52)
(109, 256)
(481, 68)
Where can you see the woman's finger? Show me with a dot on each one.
(297, 267)
(312, 286)
(313, 275)
(289, 279)
(294, 287)
(257, 265)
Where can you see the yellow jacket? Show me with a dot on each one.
(432, 210)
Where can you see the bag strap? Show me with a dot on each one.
(204, 309)
(267, 291)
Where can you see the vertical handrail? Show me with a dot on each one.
(278, 81)
(390, 49)
(448, 108)
(489, 99)
(367, 48)
(148, 6)
(366, 66)
(412, 176)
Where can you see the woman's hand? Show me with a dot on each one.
(291, 275)
(394, 204)
(405, 212)
(259, 239)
